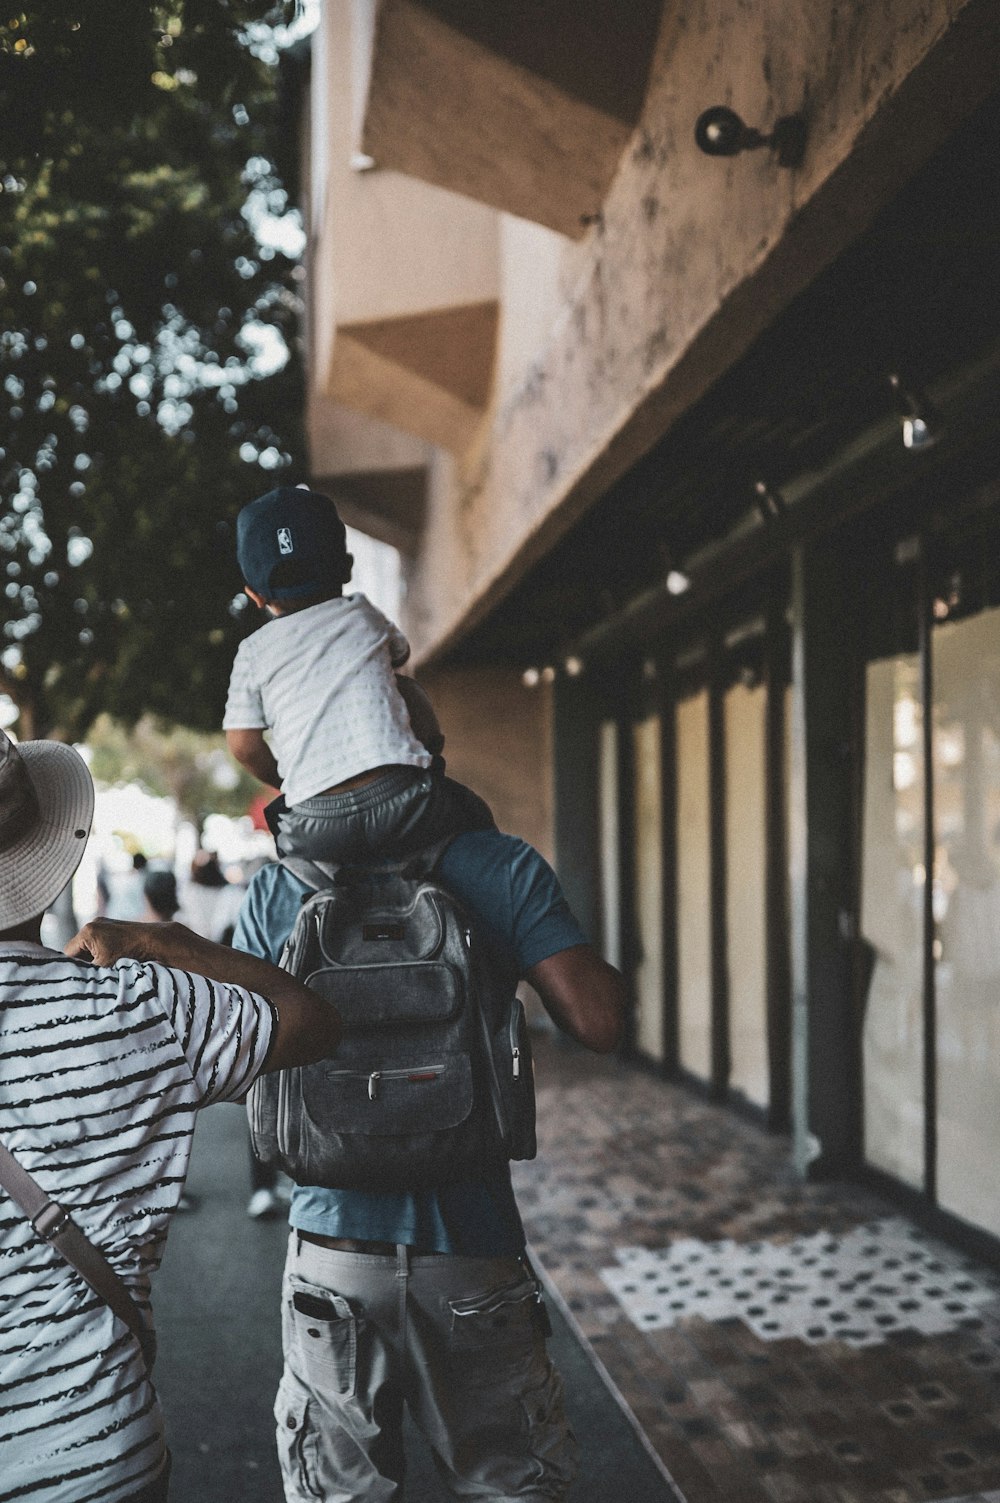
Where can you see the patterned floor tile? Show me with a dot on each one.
(707, 1278)
(855, 1287)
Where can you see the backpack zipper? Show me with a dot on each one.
(417, 1074)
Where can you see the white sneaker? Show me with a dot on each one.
(263, 1203)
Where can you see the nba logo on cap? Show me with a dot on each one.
(285, 540)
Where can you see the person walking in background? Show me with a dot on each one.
(160, 892)
(121, 892)
(107, 1053)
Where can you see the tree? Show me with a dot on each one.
(147, 302)
(193, 769)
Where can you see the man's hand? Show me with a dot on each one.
(106, 940)
(308, 1028)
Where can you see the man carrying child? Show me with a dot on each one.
(420, 1298)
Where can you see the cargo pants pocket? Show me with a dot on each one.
(496, 1329)
(324, 1331)
(551, 1442)
(296, 1442)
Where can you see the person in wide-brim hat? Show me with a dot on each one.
(46, 810)
(108, 1049)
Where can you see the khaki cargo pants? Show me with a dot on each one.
(459, 1341)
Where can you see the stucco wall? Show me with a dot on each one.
(498, 740)
(694, 257)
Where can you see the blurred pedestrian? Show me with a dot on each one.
(204, 905)
(160, 892)
(125, 898)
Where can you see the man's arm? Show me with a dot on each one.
(584, 996)
(252, 752)
(308, 1028)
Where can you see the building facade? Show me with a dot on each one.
(691, 461)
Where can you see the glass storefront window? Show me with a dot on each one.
(892, 885)
(966, 659)
(694, 899)
(745, 708)
(607, 797)
(648, 888)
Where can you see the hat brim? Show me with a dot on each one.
(36, 868)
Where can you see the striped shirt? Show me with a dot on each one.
(321, 681)
(101, 1073)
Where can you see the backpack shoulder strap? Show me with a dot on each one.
(315, 874)
(321, 874)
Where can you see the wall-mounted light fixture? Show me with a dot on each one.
(920, 424)
(770, 502)
(573, 666)
(677, 582)
(532, 677)
(719, 132)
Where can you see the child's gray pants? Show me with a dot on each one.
(403, 811)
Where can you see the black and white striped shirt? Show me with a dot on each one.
(101, 1073)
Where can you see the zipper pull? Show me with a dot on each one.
(468, 939)
(517, 1063)
(373, 1081)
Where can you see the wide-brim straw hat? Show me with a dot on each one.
(46, 810)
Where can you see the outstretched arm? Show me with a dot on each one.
(252, 752)
(584, 996)
(308, 1028)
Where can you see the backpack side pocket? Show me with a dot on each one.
(515, 1073)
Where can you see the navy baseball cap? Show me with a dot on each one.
(296, 527)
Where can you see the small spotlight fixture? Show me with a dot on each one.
(677, 582)
(719, 132)
(530, 678)
(770, 502)
(548, 675)
(573, 666)
(918, 420)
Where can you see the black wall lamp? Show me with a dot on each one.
(719, 132)
(920, 424)
(770, 503)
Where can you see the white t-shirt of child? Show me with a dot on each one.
(321, 681)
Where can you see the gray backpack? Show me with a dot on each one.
(433, 1081)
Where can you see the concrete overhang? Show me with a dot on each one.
(527, 107)
(376, 474)
(404, 277)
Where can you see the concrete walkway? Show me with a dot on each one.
(779, 1342)
(216, 1299)
(776, 1342)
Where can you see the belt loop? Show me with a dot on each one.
(402, 1284)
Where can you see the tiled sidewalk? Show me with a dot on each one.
(779, 1342)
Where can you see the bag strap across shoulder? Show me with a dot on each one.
(52, 1222)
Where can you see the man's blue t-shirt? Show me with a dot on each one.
(516, 896)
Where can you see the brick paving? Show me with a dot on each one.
(630, 1166)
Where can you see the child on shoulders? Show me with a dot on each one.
(354, 748)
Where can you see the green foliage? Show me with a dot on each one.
(137, 294)
(194, 769)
